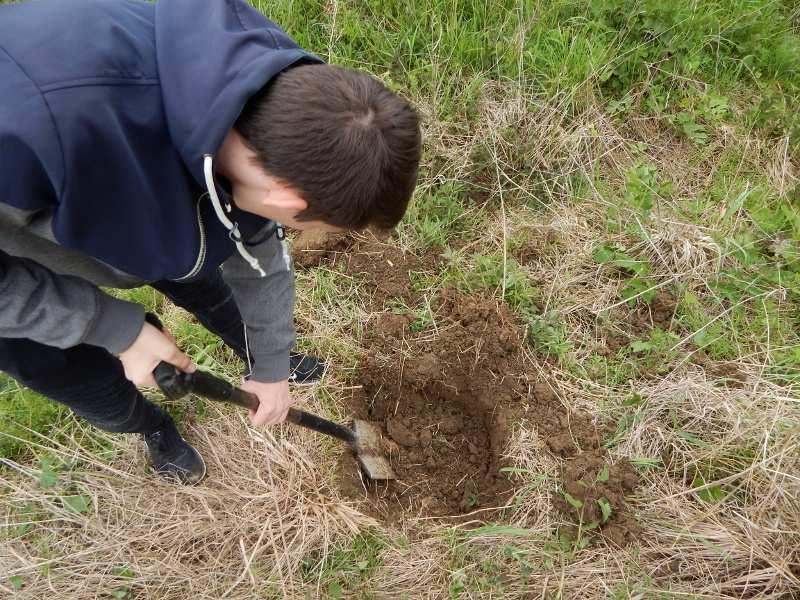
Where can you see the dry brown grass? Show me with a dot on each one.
(270, 501)
(265, 505)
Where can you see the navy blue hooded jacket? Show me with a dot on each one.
(106, 115)
(107, 111)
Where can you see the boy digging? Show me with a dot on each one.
(168, 145)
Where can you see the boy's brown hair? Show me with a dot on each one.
(347, 144)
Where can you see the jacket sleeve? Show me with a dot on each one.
(62, 310)
(267, 307)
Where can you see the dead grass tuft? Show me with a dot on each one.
(264, 507)
(680, 251)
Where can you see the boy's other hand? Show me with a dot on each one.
(274, 401)
(150, 348)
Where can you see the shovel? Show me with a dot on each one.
(364, 438)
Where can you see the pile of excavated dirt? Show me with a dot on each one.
(313, 248)
(445, 398)
(593, 483)
(444, 406)
(385, 266)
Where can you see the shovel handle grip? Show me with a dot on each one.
(176, 384)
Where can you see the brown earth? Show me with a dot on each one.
(590, 480)
(728, 374)
(444, 406)
(312, 248)
(446, 397)
(383, 264)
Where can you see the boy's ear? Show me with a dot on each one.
(285, 198)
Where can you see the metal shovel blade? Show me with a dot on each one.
(368, 447)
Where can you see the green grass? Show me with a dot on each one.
(694, 74)
(344, 569)
(23, 413)
(446, 49)
(440, 216)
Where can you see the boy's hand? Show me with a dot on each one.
(150, 348)
(274, 401)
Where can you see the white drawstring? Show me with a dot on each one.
(247, 352)
(233, 228)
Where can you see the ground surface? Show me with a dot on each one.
(582, 344)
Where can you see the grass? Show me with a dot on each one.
(581, 160)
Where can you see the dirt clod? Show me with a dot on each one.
(593, 496)
(728, 374)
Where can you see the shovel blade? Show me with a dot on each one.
(368, 447)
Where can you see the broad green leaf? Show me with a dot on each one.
(79, 503)
(574, 502)
(125, 572)
(602, 476)
(635, 399)
(335, 590)
(712, 494)
(692, 439)
(605, 508)
(637, 288)
(604, 254)
(16, 582)
(637, 267)
(48, 478)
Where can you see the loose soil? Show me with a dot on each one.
(444, 406)
(385, 266)
(590, 480)
(313, 248)
(727, 373)
(447, 397)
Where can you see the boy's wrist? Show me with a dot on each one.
(270, 368)
(116, 325)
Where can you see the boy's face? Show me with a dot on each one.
(257, 192)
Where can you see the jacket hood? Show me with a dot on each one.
(211, 64)
(110, 144)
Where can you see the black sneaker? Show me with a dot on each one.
(172, 457)
(305, 369)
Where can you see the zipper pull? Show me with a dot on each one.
(280, 234)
